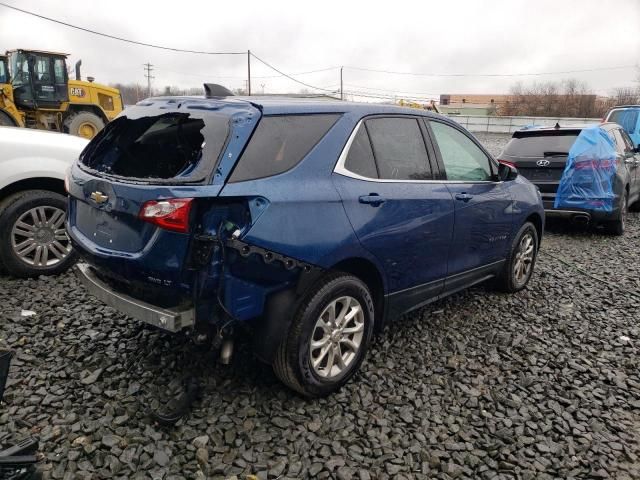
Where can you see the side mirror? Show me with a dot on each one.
(507, 172)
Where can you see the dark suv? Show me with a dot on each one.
(308, 223)
(540, 154)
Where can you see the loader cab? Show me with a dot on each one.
(39, 79)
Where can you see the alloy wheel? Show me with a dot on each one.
(38, 237)
(337, 337)
(523, 260)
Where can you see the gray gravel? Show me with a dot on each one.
(542, 384)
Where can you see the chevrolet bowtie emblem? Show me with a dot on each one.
(99, 197)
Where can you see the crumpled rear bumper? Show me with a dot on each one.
(166, 319)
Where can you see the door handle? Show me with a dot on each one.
(465, 197)
(372, 199)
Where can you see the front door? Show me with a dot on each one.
(49, 81)
(400, 215)
(483, 211)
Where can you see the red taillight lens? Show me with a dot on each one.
(511, 164)
(171, 214)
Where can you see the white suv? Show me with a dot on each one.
(33, 164)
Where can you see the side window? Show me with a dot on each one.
(3, 73)
(360, 157)
(43, 69)
(58, 70)
(462, 158)
(621, 147)
(279, 143)
(627, 140)
(399, 149)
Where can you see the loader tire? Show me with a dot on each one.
(6, 121)
(83, 124)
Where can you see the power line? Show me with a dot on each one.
(600, 69)
(399, 92)
(162, 47)
(289, 76)
(204, 75)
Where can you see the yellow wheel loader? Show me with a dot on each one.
(35, 92)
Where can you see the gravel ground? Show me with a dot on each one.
(542, 384)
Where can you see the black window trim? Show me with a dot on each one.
(432, 149)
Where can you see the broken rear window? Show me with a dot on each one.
(157, 147)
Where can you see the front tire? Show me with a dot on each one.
(33, 239)
(83, 124)
(328, 338)
(521, 260)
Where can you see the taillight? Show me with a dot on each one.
(511, 164)
(171, 214)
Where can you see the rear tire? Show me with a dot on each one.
(521, 260)
(31, 223)
(618, 226)
(323, 350)
(83, 124)
(6, 121)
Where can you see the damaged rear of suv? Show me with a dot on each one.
(214, 214)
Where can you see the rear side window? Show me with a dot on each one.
(157, 147)
(360, 157)
(541, 145)
(399, 148)
(279, 144)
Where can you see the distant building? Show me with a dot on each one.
(472, 104)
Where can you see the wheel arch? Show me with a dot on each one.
(368, 272)
(536, 219)
(82, 107)
(273, 326)
(37, 183)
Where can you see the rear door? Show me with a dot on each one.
(400, 215)
(483, 211)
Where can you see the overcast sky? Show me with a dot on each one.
(437, 37)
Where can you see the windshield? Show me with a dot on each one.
(19, 69)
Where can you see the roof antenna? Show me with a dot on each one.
(557, 125)
(212, 90)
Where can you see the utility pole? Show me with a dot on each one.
(249, 72)
(148, 69)
(341, 91)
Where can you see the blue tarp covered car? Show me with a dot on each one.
(586, 174)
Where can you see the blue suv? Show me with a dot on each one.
(309, 223)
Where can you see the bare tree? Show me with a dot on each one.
(569, 98)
